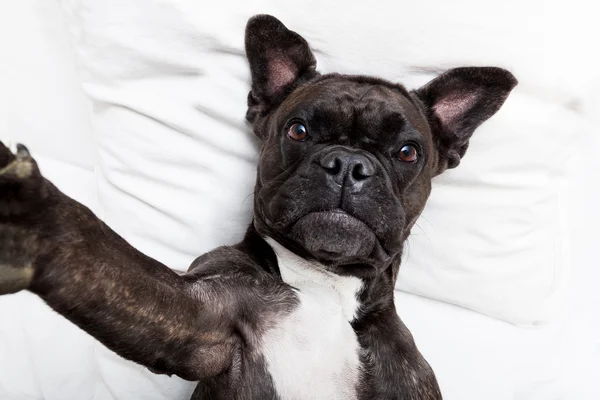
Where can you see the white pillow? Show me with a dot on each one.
(169, 82)
(44, 104)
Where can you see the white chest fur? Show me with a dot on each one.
(314, 353)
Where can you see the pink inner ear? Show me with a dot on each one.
(452, 107)
(282, 71)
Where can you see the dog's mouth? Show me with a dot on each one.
(334, 235)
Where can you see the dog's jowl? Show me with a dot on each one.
(303, 307)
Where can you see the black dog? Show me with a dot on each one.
(303, 307)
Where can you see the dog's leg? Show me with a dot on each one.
(59, 250)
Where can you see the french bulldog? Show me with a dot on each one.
(302, 308)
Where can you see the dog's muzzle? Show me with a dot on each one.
(346, 168)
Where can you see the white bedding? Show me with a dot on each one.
(43, 356)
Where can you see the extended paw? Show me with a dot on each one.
(22, 192)
(19, 165)
(21, 184)
(15, 278)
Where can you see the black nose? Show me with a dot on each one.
(347, 168)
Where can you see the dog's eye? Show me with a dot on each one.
(297, 132)
(408, 154)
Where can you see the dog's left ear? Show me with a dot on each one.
(279, 60)
(460, 100)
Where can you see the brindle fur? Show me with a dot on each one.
(206, 325)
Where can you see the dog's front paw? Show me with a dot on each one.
(23, 191)
(22, 187)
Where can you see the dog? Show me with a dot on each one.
(303, 307)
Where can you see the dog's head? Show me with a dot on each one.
(347, 161)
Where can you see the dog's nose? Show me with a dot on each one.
(347, 168)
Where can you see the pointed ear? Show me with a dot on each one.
(279, 61)
(460, 100)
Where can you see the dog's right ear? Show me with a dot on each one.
(457, 102)
(279, 60)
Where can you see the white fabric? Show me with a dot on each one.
(181, 63)
(39, 85)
